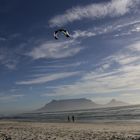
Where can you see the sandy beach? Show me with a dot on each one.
(69, 131)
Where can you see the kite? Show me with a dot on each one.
(65, 32)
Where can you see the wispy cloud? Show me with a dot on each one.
(94, 11)
(135, 47)
(119, 29)
(9, 98)
(7, 59)
(53, 49)
(106, 78)
(2, 39)
(45, 78)
(79, 33)
(59, 66)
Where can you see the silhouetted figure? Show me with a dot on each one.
(73, 119)
(68, 119)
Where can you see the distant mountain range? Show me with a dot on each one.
(114, 103)
(77, 104)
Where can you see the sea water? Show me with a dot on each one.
(126, 113)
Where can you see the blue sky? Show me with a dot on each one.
(100, 61)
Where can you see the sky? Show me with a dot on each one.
(100, 60)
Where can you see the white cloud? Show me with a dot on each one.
(55, 49)
(94, 11)
(104, 79)
(135, 47)
(8, 98)
(127, 28)
(7, 60)
(2, 39)
(137, 28)
(44, 78)
(128, 23)
(123, 28)
(60, 66)
(79, 33)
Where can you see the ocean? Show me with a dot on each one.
(125, 113)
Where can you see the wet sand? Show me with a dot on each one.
(69, 131)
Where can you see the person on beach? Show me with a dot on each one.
(68, 119)
(73, 118)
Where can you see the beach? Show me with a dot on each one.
(69, 131)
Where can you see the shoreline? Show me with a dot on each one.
(65, 121)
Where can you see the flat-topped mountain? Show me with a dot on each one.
(77, 104)
(69, 104)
